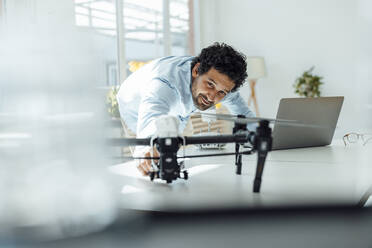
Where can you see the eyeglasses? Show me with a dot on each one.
(355, 137)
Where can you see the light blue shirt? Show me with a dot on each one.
(163, 87)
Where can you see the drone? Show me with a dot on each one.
(167, 141)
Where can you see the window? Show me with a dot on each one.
(144, 31)
(150, 28)
(181, 27)
(99, 15)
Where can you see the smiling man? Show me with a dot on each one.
(179, 86)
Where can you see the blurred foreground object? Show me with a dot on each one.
(53, 182)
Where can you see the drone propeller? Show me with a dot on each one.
(247, 120)
(246, 152)
(129, 141)
(244, 120)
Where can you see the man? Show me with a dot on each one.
(179, 86)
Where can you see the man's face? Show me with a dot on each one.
(210, 88)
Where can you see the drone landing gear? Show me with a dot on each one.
(185, 175)
(153, 175)
(182, 175)
(238, 157)
(261, 141)
(238, 160)
(262, 144)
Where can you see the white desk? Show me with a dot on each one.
(299, 177)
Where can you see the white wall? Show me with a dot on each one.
(363, 65)
(293, 36)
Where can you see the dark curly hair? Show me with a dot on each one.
(225, 60)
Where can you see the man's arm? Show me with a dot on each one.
(235, 103)
(155, 101)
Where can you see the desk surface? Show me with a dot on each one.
(327, 175)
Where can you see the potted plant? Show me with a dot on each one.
(308, 85)
(112, 103)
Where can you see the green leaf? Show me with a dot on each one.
(308, 84)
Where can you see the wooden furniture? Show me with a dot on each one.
(219, 126)
(256, 69)
(252, 97)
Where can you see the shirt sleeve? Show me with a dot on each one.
(238, 106)
(155, 101)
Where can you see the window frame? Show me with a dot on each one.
(193, 39)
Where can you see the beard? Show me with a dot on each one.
(198, 98)
(200, 101)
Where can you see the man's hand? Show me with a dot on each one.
(145, 164)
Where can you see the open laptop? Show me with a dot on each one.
(322, 111)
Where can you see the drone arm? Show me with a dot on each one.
(129, 142)
(188, 140)
(235, 138)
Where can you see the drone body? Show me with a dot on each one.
(168, 168)
(167, 141)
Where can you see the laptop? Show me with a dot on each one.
(321, 112)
